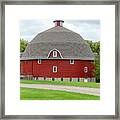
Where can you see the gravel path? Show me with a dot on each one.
(84, 90)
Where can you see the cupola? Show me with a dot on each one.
(58, 22)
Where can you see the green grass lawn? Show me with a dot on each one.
(43, 94)
(79, 84)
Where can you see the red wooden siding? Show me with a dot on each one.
(64, 68)
(26, 67)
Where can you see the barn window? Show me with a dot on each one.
(85, 69)
(39, 61)
(54, 53)
(54, 68)
(71, 61)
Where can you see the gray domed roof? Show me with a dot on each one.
(70, 44)
(57, 34)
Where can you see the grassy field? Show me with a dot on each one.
(79, 84)
(43, 94)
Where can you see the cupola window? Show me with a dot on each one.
(85, 69)
(54, 69)
(71, 61)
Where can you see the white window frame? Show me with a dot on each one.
(53, 69)
(51, 51)
(39, 61)
(85, 69)
(54, 53)
(72, 61)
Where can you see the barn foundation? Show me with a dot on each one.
(30, 77)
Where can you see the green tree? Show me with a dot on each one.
(95, 46)
(97, 68)
(23, 45)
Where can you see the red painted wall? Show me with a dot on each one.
(26, 67)
(65, 69)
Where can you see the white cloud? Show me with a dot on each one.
(88, 29)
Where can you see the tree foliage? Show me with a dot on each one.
(97, 68)
(23, 45)
(95, 46)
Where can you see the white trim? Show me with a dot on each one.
(72, 61)
(58, 58)
(53, 69)
(56, 50)
(39, 61)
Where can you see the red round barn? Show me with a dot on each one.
(58, 53)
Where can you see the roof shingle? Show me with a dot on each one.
(69, 44)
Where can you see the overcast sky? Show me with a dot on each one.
(88, 29)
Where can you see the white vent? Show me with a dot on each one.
(85, 69)
(54, 53)
(54, 69)
(39, 61)
(71, 61)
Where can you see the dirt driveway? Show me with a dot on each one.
(84, 90)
